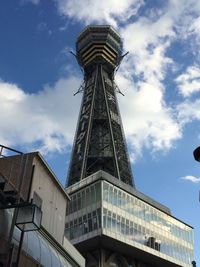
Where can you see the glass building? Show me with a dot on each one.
(128, 222)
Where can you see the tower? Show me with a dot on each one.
(110, 222)
(99, 143)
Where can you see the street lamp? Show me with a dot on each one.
(29, 218)
(196, 154)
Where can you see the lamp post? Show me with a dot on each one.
(196, 154)
(26, 215)
(28, 218)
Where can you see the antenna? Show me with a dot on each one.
(120, 60)
(71, 52)
(81, 88)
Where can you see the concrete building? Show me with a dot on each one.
(111, 223)
(28, 188)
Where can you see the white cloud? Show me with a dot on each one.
(191, 33)
(104, 11)
(145, 31)
(35, 2)
(45, 120)
(194, 28)
(191, 178)
(189, 82)
(188, 111)
(147, 120)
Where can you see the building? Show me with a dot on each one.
(32, 214)
(108, 220)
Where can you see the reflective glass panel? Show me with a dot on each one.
(45, 254)
(33, 248)
(155, 229)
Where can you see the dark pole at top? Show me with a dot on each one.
(196, 154)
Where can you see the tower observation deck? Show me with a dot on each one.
(99, 142)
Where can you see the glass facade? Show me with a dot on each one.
(84, 214)
(36, 249)
(138, 222)
(84, 198)
(123, 216)
(43, 252)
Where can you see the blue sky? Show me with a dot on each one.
(160, 78)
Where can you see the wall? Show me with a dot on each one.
(17, 170)
(53, 199)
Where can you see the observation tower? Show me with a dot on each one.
(99, 143)
(110, 222)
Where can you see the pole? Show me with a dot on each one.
(20, 248)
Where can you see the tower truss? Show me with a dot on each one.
(99, 142)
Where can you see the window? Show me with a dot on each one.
(37, 200)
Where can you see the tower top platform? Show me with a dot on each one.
(99, 44)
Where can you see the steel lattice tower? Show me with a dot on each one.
(99, 142)
(110, 222)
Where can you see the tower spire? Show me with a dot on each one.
(99, 142)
